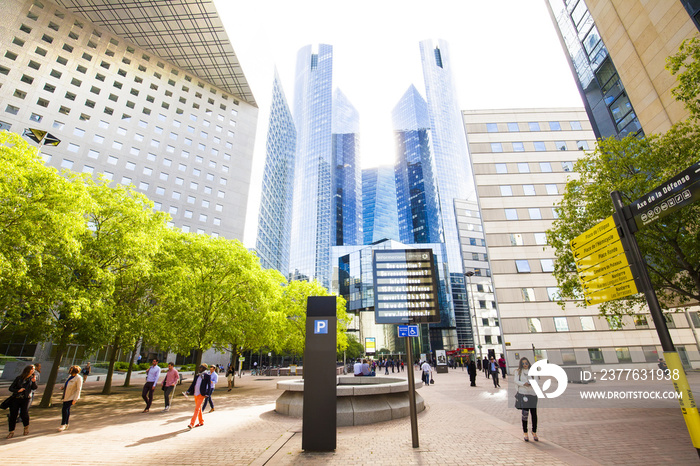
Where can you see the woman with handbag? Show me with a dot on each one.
(21, 389)
(526, 398)
(71, 394)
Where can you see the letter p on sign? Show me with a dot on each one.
(320, 326)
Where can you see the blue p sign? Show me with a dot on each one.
(320, 326)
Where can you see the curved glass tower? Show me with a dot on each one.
(379, 215)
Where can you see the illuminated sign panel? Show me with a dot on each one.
(405, 286)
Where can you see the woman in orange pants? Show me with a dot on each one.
(200, 389)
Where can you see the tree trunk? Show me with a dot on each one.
(198, 359)
(107, 389)
(53, 375)
(127, 380)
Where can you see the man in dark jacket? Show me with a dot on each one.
(471, 369)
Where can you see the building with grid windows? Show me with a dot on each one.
(275, 219)
(618, 52)
(379, 215)
(522, 160)
(135, 95)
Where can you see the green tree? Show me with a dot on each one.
(671, 246)
(354, 349)
(208, 288)
(686, 66)
(294, 297)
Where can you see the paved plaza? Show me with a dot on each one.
(461, 425)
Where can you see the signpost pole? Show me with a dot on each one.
(412, 393)
(680, 382)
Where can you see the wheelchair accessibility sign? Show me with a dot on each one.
(408, 330)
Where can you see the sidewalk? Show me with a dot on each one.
(461, 425)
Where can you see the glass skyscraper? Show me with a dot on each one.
(347, 186)
(379, 215)
(313, 221)
(453, 177)
(417, 200)
(604, 97)
(275, 220)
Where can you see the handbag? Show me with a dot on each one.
(432, 381)
(6, 402)
(523, 401)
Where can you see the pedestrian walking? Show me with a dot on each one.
(493, 369)
(427, 373)
(386, 366)
(478, 364)
(86, 371)
(149, 387)
(486, 368)
(172, 377)
(403, 366)
(526, 398)
(471, 369)
(71, 394)
(199, 388)
(502, 366)
(214, 376)
(21, 389)
(229, 376)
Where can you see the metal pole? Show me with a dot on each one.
(412, 394)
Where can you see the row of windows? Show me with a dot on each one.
(534, 213)
(516, 239)
(561, 324)
(538, 146)
(524, 167)
(529, 190)
(531, 126)
(595, 355)
(523, 265)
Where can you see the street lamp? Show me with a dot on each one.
(475, 325)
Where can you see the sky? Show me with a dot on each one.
(505, 54)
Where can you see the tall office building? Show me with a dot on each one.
(313, 220)
(275, 220)
(379, 214)
(146, 93)
(419, 217)
(618, 51)
(453, 174)
(522, 160)
(347, 183)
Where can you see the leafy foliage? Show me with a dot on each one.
(686, 65)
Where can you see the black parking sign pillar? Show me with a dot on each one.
(319, 414)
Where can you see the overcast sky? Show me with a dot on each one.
(505, 54)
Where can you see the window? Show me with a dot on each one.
(596, 355)
(179, 181)
(547, 265)
(545, 167)
(553, 293)
(650, 353)
(539, 146)
(188, 214)
(587, 324)
(191, 199)
(513, 127)
(163, 176)
(568, 357)
(534, 126)
(522, 266)
(112, 160)
(67, 164)
(126, 180)
(205, 203)
(147, 171)
(143, 186)
(534, 325)
(501, 168)
(567, 166)
(535, 213)
(552, 189)
(670, 323)
(623, 354)
(496, 147)
(506, 191)
(540, 238)
(516, 239)
(202, 217)
(160, 190)
(73, 147)
(582, 145)
(492, 127)
(561, 145)
(172, 210)
(614, 323)
(640, 321)
(130, 166)
(176, 195)
(529, 189)
(511, 214)
(88, 169)
(523, 167)
(93, 154)
(575, 125)
(561, 324)
(518, 147)
(554, 126)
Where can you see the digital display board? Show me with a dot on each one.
(370, 345)
(405, 286)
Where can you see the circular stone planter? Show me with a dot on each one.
(360, 400)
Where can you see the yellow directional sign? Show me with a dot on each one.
(603, 268)
(614, 292)
(600, 255)
(593, 232)
(596, 244)
(614, 278)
